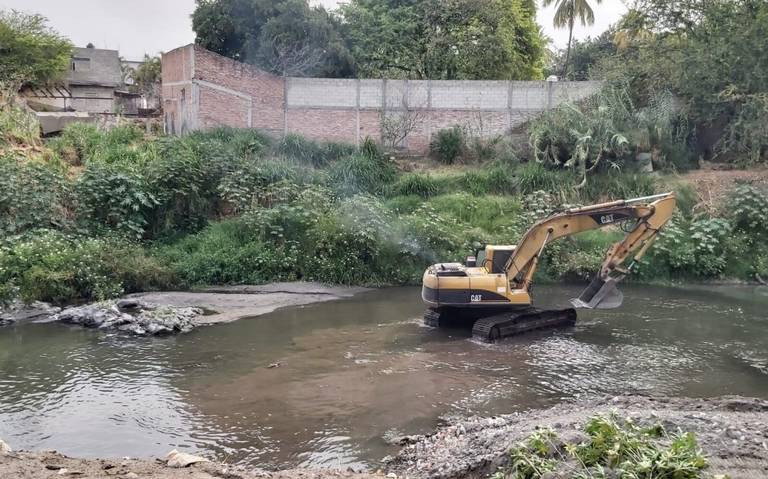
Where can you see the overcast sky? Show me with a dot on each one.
(136, 27)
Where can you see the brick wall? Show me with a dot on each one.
(202, 90)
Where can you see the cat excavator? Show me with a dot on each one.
(492, 290)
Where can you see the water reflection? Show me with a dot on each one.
(351, 370)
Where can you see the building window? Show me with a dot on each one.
(81, 64)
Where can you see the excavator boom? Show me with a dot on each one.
(649, 214)
(495, 294)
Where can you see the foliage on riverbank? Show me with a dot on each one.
(96, 213)
(610, 447)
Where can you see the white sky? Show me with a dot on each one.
(136, 27)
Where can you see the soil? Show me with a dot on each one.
(50, 465)
(732, 431)
(229, 303)
(713, 185)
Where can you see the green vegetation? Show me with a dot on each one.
(93, 213)
(32, 53)
(96, 213)
(707, 54)
(612, 447)
(566, 14)
(463, 39)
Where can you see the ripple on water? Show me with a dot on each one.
(351, 370)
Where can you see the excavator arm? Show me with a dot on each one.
(646, 215)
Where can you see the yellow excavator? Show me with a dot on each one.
(492, 290)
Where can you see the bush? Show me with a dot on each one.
(312, 153)
(114, 198)
(448, 145)
(17, 126)
(59, 268)
(418, 184)
(361, 174)
(32, 195)
(748, 210)
(76, 143)
(534, 176)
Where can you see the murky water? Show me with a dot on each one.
(350, 371)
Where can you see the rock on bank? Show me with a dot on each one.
(181, 311)
(732, 432)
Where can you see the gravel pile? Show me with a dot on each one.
(732, 431)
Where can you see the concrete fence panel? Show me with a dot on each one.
(203, 90)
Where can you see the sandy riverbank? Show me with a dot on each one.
(224, 304)
(732, 432)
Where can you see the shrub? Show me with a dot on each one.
(418, 184)
(534, 176)
(448, 145)
(51, 266)
(115, 198)
(360, 174)
(312, 153)
(748, 210)
(76, 143)
(32, 195)
(17, 126)
(229, 253)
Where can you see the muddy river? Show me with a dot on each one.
(354, 370)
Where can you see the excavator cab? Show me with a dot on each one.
(493, 289)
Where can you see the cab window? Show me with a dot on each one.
(480, 257)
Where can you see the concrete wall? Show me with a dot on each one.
(202, 89)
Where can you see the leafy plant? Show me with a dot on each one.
(448, 144)
(612, 447)
(32, 195)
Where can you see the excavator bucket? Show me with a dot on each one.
(600, 294)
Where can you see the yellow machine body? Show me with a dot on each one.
(501, 275)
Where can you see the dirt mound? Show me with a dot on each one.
(713, 185)
(732, 431)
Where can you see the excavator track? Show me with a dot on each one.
(505, 325)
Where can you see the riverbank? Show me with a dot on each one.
(731, 431)
(181, 311)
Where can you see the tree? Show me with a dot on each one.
(565, 16)
(146, 77)
(586, 56)
(287, 37)
(444, 39)
(31, 53)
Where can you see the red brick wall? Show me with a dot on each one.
(221, 91)
(218, 108)
(265, 90)
(329, 125)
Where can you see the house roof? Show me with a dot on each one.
(93, 66)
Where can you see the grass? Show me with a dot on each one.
(235, 206)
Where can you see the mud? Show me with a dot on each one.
(51, 464)
(229, 303)
(732, 432)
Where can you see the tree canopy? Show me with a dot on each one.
(455, 39)
(284, 36)
(31, 53)
(439, 39)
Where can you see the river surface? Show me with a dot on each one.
(354, 370)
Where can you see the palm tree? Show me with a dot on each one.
(565, 16)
